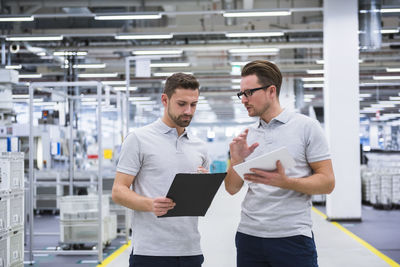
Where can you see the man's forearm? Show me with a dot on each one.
(233, 182)
(130, 199)
(312, 185)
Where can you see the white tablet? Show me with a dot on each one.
(266, 162)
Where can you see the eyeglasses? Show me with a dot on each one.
(250, 92)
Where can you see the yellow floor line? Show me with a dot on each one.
(388, 260)
(114, 255)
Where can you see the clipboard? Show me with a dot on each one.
(193, 193)
(266, 162)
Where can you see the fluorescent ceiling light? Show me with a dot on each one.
(309, 96)
(123, 88)
(321, 61)
(393, 69)
(16, 18)
(365, 95)
(256, 14)
(253, 34)
(236, 87)
(35, 38)
(236, 80)
(140, 98)
(386, 77)
(313, 85)
(171, 64)
(383, 31)
(383, 105)
(14, 67)
(394, 102)
(127, 17)
(20, 96)
(166, 74)
(90, 66)
(253, 50)
(239, 63)
(143, 36)
(307, 100)
(29, 76)
(313, 79)
(98, 75)
(114, 82)
(70, 53)
(315, 71)
(390, 10)
(157, 52)
(394, 98)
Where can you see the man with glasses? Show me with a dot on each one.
(275, 226)
(150, 157)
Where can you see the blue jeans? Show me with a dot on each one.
(165, 261)
(294, 251)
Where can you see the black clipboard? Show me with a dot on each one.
(193, 193)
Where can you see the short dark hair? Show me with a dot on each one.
(180, 80)
(267, 73)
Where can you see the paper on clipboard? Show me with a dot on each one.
(266, 162)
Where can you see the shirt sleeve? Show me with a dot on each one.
(317, 148)
(130, 160)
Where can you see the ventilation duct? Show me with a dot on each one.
(370, 24)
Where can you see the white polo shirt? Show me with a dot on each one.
(154, 154)
(269, 211)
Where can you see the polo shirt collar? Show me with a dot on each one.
(282, 117)
(163, 128)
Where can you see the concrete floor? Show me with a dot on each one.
(218, 228)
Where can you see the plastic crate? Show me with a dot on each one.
(11, 170)
(3, 215)
(75, 207)
(16, 218)
(86, 231)
(16, 241)
(3, 250)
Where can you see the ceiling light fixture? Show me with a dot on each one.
(241, 14)
(70, 53)
(16, 18)
(30, 76)
(377, 78)
(157, 52)
(123, 88)
(90, 66)
(35, 38)
(166, 74)
(395, 98)
(365, 95)
(143, 36)
(313, 79)
(239, 63)
(384, 31)
(14, 67)
(98, 75)
(393, 69)
(171, 64)
(253, 50)
(315, 71)
(114, 82)
(128, 17)
(390, 10)
(253, 34)
(313, 85)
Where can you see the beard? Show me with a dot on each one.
(180, 120)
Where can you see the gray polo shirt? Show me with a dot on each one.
(154, 154)
(269, 211)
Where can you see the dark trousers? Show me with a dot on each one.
(296, 251)
(165, 261)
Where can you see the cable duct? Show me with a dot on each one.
(370, 24)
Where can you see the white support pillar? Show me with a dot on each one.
(342, 106)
